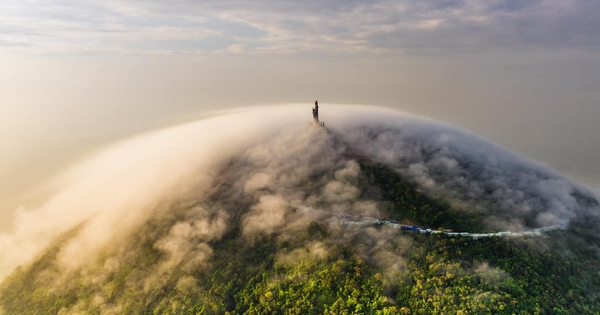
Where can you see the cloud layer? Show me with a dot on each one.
(283, 27)
(267, 170)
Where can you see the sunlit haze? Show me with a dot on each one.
(76, 76)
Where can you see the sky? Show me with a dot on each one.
(78, 75)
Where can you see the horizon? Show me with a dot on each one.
(77, 76)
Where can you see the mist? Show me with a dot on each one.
(194, 179)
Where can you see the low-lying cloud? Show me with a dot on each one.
(267, 172)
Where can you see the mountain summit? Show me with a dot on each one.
(272, 225)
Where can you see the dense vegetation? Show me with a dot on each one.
(403, 201)
(274, 275)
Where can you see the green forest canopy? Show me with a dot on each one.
(439, 275)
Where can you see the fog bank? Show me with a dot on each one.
(273, 162)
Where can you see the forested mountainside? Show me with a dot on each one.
(172, 265)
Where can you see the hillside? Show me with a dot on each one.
(320, 268)
(268, 234)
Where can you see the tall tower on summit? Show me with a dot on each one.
(315, 112)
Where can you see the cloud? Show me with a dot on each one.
(168, 196)
(236, 49)
(285, 176)
(513, 192)
(310, 252)
(490, 274)
(416, 25)
(13, 42)
(118, 190)
(267, 216)
(333, 26)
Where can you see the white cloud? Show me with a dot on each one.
(13, 42)
(236, 49)
(429, 24)
(333, 26)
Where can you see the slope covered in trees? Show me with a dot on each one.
(321, 267)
